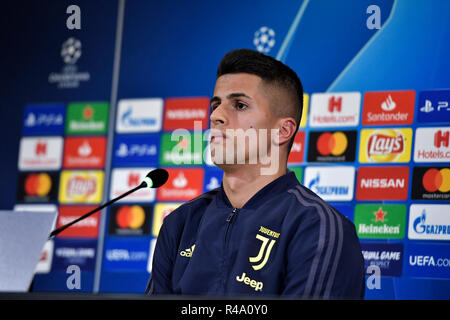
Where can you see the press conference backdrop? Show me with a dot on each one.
(86, 113)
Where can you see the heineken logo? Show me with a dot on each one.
(376, 221)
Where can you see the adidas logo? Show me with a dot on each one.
(188, 252)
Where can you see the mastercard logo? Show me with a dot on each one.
(38, 184)
(130, 217)
(332, 143)
(437, 180)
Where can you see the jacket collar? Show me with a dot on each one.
(273, 188)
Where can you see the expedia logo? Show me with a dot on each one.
(385, 145)
(188, 252)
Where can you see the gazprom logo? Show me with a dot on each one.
(139, 115)
(128, 119)
(421, 227)
(326, 190)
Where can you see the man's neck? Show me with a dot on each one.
(240, 185)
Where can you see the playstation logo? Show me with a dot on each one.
(427, 107)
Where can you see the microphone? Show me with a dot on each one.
(154, 179)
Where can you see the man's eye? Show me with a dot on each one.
(214, 107)
(240, 106)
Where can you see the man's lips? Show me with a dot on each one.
(218, 136)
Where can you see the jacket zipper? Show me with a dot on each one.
(225, 243)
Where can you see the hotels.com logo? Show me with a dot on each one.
(441, 139)
(41, 148)
(432, 145)
(334, 109)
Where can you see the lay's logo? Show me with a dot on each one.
(385, 145)
(81, 186)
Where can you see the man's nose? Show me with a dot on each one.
(218, 116)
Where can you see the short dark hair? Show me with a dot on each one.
(272, 72)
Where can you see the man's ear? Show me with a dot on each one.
(286, 127)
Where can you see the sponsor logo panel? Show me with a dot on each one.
(84, 152)
(183, 185)
(388, 107)
(37, 186)
(387, 256)
(139, 115)
(182, 112)
(429, 222)
(434, 106)
(126, 255)
(431, 183)
(345, 209)
(298, 148)
(44, 119)
(81, 186)
(380, 221)
(298, 171)
(334, 109)
(432, 145)
(427, 261)
(213, 179)
(382, 183)
(331, 183)
(181, 149)
(162, 210)
(332, 146)
(124, 179)
(86, 228)
(44, 264)
(151, 252)
(40, 153)
(87, 118)
(75, 252)
(304, 118)
(129, 220)
(385, 145)
(138, 150)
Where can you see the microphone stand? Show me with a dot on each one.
(64, 227)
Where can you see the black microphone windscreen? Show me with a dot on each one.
(158, 177)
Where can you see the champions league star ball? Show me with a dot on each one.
(264, 39)
(71, 50)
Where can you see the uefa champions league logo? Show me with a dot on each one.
(264, 39)
(71, 50)
(69, 77)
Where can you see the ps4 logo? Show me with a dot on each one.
(33, 120)
(138, 150)
(428, 107)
